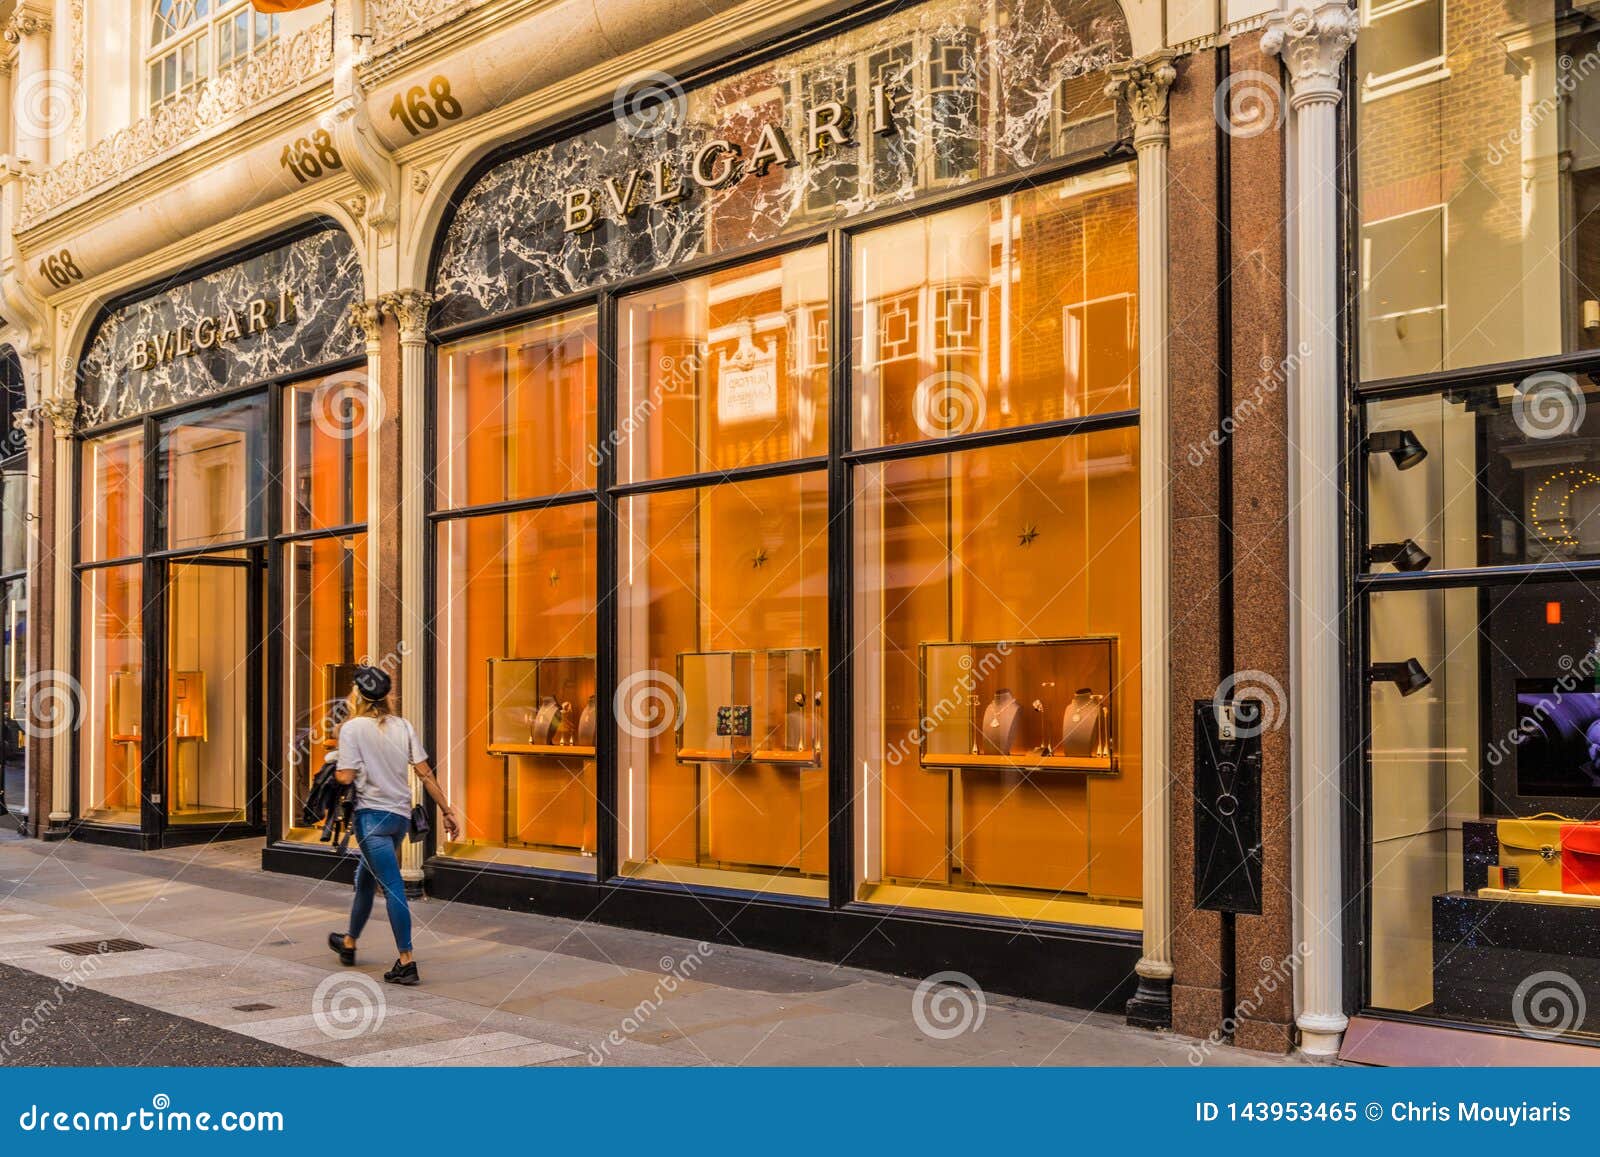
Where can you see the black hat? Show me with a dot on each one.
(372, 683)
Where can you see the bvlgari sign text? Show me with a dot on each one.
(255, 316)
(719, 163)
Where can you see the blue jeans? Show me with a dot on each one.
(379, 835)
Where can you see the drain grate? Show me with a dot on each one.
(257, 1007)
(99, 947)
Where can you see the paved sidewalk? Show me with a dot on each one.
(230, 946)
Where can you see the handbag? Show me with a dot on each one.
(419, 823)
(1533, 847)
(1580, 859)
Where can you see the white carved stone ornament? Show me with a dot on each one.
(409, 308)
(393, 23)
(23, 24)
(1143, 84)
(366, 317)
(275, 71)
(1313, 42)
(62, 413)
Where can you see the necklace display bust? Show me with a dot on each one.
(1000, 722)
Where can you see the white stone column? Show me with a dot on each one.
(61, 416)
(33, 100)
(1313, 42)
(1143, 84)
(409, 308)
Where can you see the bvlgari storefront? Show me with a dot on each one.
(220, 561)
(785, 506)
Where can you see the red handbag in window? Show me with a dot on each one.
(1580, 859)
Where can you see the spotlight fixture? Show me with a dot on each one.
(1401, 445)
(1477, 400)
(1409, 676)
(1406, 556)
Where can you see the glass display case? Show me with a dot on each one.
(543, 706)
(1028, 706)
(757, 706)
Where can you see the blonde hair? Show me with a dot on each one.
(363, 708)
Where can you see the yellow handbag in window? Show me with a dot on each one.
(1533, 847)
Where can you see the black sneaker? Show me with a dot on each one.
(403, 974)
(347, 956)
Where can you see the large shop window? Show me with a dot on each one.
(324, 571)
(1482, 741)
(997, 657)
(14, 535)
(517, 697)
(1478, 184)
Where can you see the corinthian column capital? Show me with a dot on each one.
(25, 22)
(1313, 40)
(1143, 84)
(367, 320)
(409, 308)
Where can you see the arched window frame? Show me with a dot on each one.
(190, 41)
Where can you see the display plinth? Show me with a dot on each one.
(1488, 953)
(751, 707)
(543, 707)
(1523, 896)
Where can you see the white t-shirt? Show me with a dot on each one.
(381, 752)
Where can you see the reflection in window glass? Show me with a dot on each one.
(517, 413)
(723, 618)
(209, 690)
(327, 424)
(1509, 476)
(325, 592)
(997, 667)
(726, 370)
(111, 663)
(111, 500)
(213, 467)
(13, 670)
(518, 702)
(1019, 310)
(1477, 186)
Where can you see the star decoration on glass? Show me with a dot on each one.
(760, 559)
(555, 577)
(1029, 533)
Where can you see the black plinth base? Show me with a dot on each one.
(1151, 1006)
(1525, 965)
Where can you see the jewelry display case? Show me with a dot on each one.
(543, 706)
(126, 704)
(751, 707)
(188, 698)
(1042, 706)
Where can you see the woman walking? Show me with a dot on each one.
(378, 750)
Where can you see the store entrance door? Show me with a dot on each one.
(214, 683)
